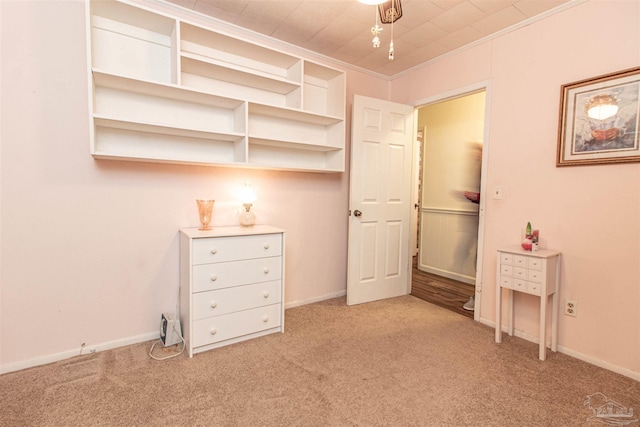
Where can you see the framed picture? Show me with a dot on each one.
(599, 120)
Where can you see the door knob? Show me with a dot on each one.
(357, 213)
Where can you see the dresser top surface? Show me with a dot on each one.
(540, 253)
(194, 233)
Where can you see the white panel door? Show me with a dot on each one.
(379, 264)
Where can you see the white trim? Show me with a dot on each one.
(72, 353)
(569, 352)
(332, 295)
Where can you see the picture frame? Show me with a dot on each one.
(599, 120)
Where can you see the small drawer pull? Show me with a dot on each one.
(265, 319)
(266, 246)
(214, 251)
(214, 277)
(266, 270)
(266, 294)
(214, 304)
(213, 331)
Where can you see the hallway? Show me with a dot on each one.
(447, 293)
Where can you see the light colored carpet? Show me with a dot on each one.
(398, 362)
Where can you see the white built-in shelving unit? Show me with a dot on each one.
(167, 90)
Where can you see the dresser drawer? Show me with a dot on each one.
(233, 325)
(224, 301)
(227, 274)
(223, 249)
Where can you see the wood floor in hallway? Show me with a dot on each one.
(447, 293)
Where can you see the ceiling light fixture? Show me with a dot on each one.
(389, 11)
(376, 31)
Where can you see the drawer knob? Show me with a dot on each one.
(214, 251)
(213, 331)
(214, 304)
(266, 246)
(214, 277)
(266, 294)
(265, 319)
(266, 270)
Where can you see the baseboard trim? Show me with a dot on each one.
(44, 360)
(316, 299)
(51, 358)
(570, 352)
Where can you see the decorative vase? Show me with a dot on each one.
(205, 208)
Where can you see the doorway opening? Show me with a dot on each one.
(448, 212)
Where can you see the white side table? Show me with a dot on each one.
(536, 273)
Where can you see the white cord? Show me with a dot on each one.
(173, 355)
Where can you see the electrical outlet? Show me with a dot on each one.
(571, 307)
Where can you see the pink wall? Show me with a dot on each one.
(90, 248)
(590, 213)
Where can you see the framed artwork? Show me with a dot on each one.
(599, 120)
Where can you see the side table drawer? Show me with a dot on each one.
(535, 263)
(535, 276)
(519, 285)
(506, 258)
(520, 261)
(220, 328)
(534, 288)
(223, 249)
(224, 301)
(207, 277)
(519, 272)
(506, 282)
(506, 270)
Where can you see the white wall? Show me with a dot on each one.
(90, 247)
(590, 213)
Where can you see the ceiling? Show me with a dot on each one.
(341, 29)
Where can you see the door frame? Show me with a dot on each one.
(485, 85)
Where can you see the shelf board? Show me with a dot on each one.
(320, 72)
(109, 122)
(292, 114)
(162, 90)
(220, 70)
(295, 145)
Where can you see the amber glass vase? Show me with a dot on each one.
(205, 208)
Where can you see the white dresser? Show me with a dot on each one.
(536, 273)
(231, 285)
